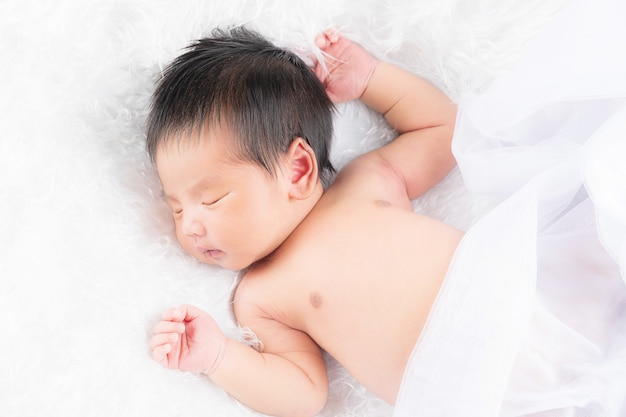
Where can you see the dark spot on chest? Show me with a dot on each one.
(315, 299)
(382, 203)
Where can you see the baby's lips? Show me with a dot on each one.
(209, 253)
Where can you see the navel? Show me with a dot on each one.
(382, 203)
(315, 299)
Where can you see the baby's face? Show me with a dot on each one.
(226, 212)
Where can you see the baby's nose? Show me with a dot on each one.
(193, 226)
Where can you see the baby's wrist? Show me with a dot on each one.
(368, 78)
(219, 358)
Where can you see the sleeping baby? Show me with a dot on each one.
(239, 131)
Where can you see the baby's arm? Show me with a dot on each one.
(291, 381)
(423, 116)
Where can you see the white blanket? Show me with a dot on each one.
(87, 255)
(532, 316)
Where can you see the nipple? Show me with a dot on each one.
(316, 299)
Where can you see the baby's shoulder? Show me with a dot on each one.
(272, 291)
(247, 289)
(373, 176)
(247, 299)
(255, 293)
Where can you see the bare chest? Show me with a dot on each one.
(363, 291)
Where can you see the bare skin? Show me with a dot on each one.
(351, 270)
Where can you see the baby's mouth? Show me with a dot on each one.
(214, 253)
(210, 253)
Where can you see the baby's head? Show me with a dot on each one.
(264, 95)
(238, 127)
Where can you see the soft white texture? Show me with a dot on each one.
(87, 255)
(531, 319)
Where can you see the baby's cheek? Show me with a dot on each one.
(185, 242)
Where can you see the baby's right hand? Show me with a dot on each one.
(349, 67)
(188, 339)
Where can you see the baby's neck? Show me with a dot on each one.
(307, 205)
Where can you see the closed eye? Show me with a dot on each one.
(211, 203)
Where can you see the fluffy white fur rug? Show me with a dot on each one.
(87, 256)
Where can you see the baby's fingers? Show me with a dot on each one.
(173, 314)
(166, 348)
(167, 335)
(168, 327)
(163, 339)
(160, 352)
(326, 38)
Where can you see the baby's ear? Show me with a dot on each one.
(302, 169)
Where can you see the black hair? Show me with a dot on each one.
(264, 95)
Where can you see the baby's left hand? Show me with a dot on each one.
(349, 67)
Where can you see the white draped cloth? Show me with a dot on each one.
(531, 319)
